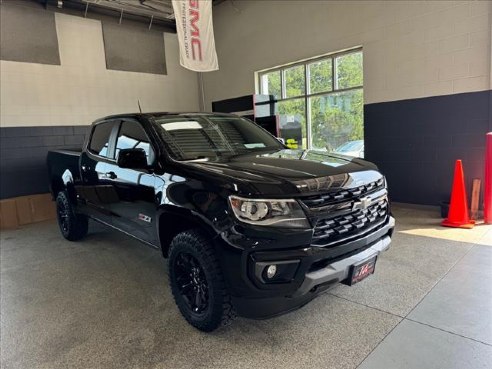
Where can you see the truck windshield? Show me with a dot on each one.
(209, 137)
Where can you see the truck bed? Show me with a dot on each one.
(63, 163)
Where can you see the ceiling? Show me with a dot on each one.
(161, 9)
(149, 9)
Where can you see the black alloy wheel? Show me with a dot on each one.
(192, 283)
(72, 226)
(197, 282)
(63, 217)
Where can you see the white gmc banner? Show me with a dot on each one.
(196, 34)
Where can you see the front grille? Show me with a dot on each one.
(329, 231)
(317, 201)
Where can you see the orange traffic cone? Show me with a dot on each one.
(458, 208)
(487, 193)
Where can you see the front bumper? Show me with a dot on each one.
(339, 270)
(318, 270)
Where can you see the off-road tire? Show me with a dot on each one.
(219, 311)
(72, 226)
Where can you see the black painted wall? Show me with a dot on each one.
(23, 156)
(416, 142)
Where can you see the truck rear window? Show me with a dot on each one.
(100, 139)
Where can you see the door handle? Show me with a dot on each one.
(110, 175)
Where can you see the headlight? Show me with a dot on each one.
(275, 213)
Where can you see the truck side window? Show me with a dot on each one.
(100, 139)
(133, 136)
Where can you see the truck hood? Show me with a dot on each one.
(289, 172)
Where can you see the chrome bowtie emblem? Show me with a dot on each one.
(364, 203)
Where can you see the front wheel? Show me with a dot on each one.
(72, 226)
(197, 283)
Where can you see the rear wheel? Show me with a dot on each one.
(197, 282)
(72, 226)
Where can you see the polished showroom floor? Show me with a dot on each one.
(105, 303)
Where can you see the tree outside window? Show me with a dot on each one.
(324, 96)
(271, 84)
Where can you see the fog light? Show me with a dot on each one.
(272, 269)
(275, 271)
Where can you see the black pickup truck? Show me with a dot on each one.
(249, 226)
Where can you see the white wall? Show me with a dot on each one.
(81, 90)
(411, 48)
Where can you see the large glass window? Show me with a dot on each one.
(320, 76)
(336, 121)
(295, 84)
(292, 122)
(320, 102)
(271, 84)
(348, 69)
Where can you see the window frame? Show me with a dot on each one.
(283, 79)
(308, 74)
(109, 151)
(307, 88)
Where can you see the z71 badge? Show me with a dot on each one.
(144, 218)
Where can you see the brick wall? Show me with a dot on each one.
(411, 49)
(81, 89)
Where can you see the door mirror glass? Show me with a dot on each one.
(132, 159)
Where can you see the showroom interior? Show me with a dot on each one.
(405, 85)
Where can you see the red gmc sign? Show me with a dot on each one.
(194, 26)
(196, 44)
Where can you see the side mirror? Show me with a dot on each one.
(282, 140)
(132, 159)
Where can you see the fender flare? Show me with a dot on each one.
(66, 183)
(185, 218)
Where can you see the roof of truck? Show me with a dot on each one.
(156, 114)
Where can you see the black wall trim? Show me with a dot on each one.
(23, 156)
(416, 142)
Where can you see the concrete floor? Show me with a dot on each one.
(105, 303)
